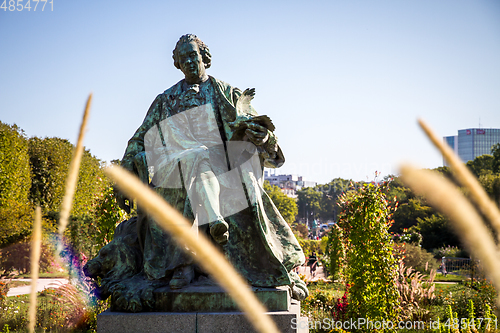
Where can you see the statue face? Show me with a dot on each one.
(191, 62)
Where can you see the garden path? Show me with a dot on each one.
(306, 270)
(41, 285)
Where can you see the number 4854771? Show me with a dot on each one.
(20, 5)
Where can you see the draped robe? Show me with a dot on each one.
(261, 244)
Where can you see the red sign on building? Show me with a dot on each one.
(480, 131)
(467, 132)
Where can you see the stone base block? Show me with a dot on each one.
(146, 322)
(205, 298)
(196, 322)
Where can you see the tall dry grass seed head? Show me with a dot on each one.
(466, 178)
(445, 197)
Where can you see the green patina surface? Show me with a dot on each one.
(189, 135)
(215, 299)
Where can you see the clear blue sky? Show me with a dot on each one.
(343, 81)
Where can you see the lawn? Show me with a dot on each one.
(449, 278)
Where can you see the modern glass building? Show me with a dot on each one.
(473, 142)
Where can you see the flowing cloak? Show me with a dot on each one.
(261, 244)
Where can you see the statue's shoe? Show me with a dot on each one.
(219, 231)
(182, 277)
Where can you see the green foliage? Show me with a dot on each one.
(450, 251)
(323, 243)
(447, 173)
(330, 194)
(397, 188)
(33, 172)
(15, 222)
(335, 252)
(481, 165)
(321, 202)
(457, 298)
(14, 167)
(107, 214)
(490, 315)
(91, 181)
(409, 212)
(495, 151)
(487, 169)
(309, 246)
(470, 310)
(49, 160)
(318, 305)
(87, 234)
(408, 236)
(286, 205)
(326, 301)
(491, 184)
(15, 210)
(369, 265)
(418, 258)
(482, 294)
(412, 208)
(436, 232)
(309, 203)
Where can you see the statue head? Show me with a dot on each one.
(192, 57)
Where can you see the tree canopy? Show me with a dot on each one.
(49, 160)
(309, 202)
(286, 205)
(481, 165)
(15, 182)
(33, 172)
(495, 151)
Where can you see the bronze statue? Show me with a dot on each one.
(203, 148)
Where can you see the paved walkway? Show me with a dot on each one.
(41, 285)
(306, 270)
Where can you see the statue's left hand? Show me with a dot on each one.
(257, 134)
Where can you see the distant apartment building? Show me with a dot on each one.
(289, 184)
(473, 142)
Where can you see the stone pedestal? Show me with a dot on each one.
(212, 298)
(288, 321)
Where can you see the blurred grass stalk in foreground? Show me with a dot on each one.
(211, 259)
(466, 178)
(443, 195)
(66, 205)
(36, 243)
(71, 181)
